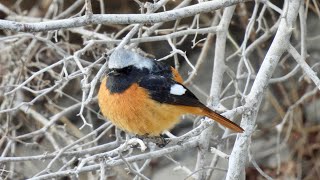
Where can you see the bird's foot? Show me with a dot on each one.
(160, 141)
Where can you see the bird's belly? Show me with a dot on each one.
(138, 120)
(134, 112)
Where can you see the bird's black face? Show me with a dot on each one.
(126, 71)
(121, 79)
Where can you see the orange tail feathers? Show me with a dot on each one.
(222, 120)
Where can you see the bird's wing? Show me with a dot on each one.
(166, 90)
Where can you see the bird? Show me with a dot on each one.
(146, 97)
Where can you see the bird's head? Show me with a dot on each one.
(123, 61)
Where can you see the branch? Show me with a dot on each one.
(305, 67)
(278, 47)
(219, 68)
(112, 163)
(118, 18)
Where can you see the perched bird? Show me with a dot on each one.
(146, 97)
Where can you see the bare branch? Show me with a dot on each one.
(118, 18)
(278, 47)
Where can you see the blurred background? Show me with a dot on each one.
(41, 90)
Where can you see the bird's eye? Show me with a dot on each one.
(129, 69)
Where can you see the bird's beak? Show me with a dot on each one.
(113, 72)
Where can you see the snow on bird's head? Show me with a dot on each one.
(122, 58)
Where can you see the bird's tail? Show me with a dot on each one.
(221, 120)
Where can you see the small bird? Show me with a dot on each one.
(146, 97)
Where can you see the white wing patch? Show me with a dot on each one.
(177, 89)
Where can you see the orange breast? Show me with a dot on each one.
(134, 111)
